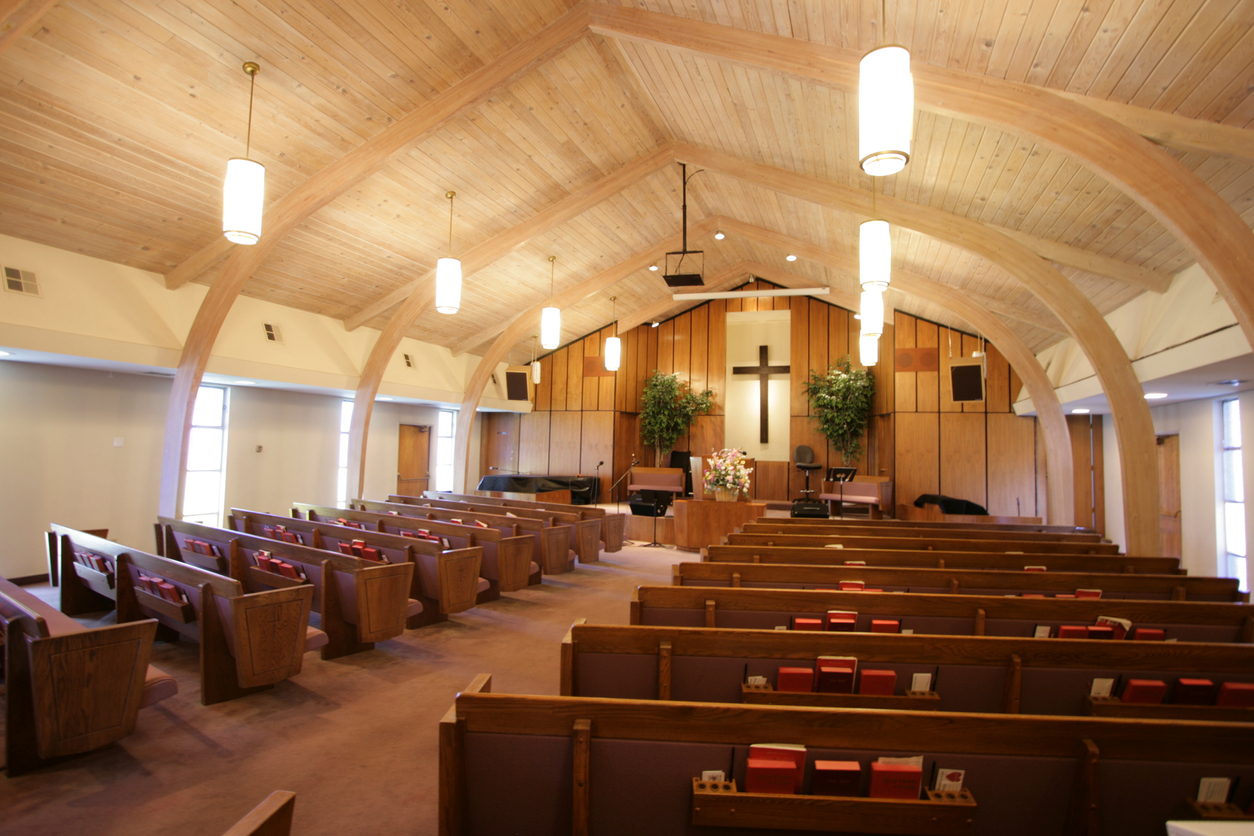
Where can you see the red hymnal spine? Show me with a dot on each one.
(347, 548)
(885, 625)
(836, 778)
(1193, 692)
(896, 780)
(877, 682)
(1148, 634)
(795, 679)
(1144, 691)
(815, 624)
(763, 775)
(1073, 631)
(1236, 694)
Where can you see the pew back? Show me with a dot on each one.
(935, 526)
(612, 524)
(921, 543)
(777, 525)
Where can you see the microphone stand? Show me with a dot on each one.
(614, 487)
(596, 492)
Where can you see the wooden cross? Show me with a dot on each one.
(763, 371)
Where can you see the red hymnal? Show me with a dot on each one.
(1101, 631)
(1073, 631)
(263, 562)
(1145, 691)
(885, 625)
(371, 554)
(792, 754)
(836, 674)
(1064, 595)
(345, 547)
(1148, 634)
(1193, 692)
(481, 524)
(841, 621)
(168, 591)
(1034, 568)
(287, 570)
(408, 534)
(836, 778)
(795, 679)
(1033, 595)
(815, 624)
(847, 586)
(1088, 593)
(1236, 694)
(855, 562)
(1120, 626)
(290, 537)
(877, 682)
(896, 780)
(771, 776)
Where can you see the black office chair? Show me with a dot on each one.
(804, 458)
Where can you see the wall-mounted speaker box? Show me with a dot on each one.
(518, 386)
(966, 377)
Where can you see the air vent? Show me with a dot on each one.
(409, 361)
(273, 334)
(20, 281)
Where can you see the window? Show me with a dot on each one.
(1234, 494)
(206, 458)
(341, 482)
(446, 426)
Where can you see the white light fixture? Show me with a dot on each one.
(1079, 411)
(719, 235)
(448, 272)
(652, 268)
(885, 110)
(613, 345)
(551, 317)
(868, 349)
(1155, 396)
(872, 311)
(535, 364)
(790, 257)
(875, 255)
(244, 190)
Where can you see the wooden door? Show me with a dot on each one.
(1169, 495)
(414, 456)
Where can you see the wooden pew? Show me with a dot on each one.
(920, 543)
(360, 602)
(552, 543)
(69, 689)
(272, 817)
(628, 766)
(905, 526)
(961, 615)
(446, 581)
(247, 642)
(612, 525)
(965, 581)
(507, 563)
(823, 556)
(788, 525)
(585, 534)
(973, 674)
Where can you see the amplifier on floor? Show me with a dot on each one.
(809, 510)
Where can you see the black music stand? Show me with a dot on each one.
(841, 475)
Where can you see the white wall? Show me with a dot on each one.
(57, 431)
(746, 331)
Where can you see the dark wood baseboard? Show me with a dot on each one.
(27, 580)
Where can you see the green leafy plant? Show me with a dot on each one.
(667, 409)
(841, 401)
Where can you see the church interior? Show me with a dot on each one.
(276, 273)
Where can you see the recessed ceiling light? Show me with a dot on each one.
(1155, 396)
(1228, 382)
(1079, 411)
(245, 383)
(790, 257)
(652, 268)
(719, 236)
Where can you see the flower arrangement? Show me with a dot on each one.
(726, 471)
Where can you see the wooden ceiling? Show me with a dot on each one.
(119, 116)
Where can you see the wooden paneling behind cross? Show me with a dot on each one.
(763, 370)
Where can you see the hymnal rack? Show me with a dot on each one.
(766, 695)
(940, 814)
(1115, 707)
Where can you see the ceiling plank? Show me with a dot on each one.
(19, 18)
(501, 244)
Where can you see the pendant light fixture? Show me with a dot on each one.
(551, 317)
(885, 108)
(868, 349)
(244, 190)
(535, 364)
(613, 345)
(875, 250)
(872, 312)
(448, 272)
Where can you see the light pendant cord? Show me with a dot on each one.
(450, 196)
(252, 68)
(552, 268)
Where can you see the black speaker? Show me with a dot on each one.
(516, 386)
(642, 508)
(810, 510)
(967, 382)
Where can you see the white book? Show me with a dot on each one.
(949, 780)
(1214, 790)
(1101, 687)
(921, 682)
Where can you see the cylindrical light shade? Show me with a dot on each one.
(613, 354)
(885, 110)
(448, 285)
(875, 255)
(551, 327)
(868, 349)
(243, 196)
(535, 372)
(872, 311)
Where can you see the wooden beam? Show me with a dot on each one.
(19, 18)
(292, 210)
(372, 155)
(1133, 425)
(1111, 268)
(1176, 197)
(1172, 129)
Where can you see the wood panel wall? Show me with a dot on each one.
(917, 435)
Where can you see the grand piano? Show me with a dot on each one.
(577, 490)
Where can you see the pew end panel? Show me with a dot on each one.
(272, 817)
(449, 579)
(614, 526)
(380, 598)
(83, 589)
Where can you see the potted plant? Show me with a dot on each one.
(668, 408)
(841, 401)
(726, 475)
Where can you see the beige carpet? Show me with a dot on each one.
(355, 738)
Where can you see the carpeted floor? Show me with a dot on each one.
(355, 738)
